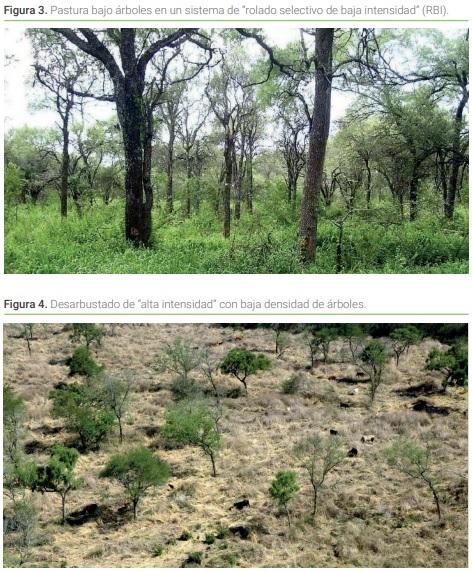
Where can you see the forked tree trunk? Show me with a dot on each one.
(318, 138)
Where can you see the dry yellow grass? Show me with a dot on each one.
(368, 516)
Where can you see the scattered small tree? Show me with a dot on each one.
(88, 332)
(452, 363)
(116, 393)
(137, 471)
(82, 363)
(354, 335)
(282, 340)
(85, 411)
(57, 476)
(242, 363)
(180, 358)
(209, 367)
(319, 457)
(23, 522)
(27, 335)
(319, 341)
(411, 459)
(403, 338)
(14, 415)
(284, 489)
(373, 359)
(192, 423)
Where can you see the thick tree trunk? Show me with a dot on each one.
(130, 106)
(456, 156)
(319, 132)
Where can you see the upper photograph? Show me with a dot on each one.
(241, 151)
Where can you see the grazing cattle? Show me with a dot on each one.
(367, 438)
(352, 452)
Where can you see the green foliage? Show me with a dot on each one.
(319, 457)
(22, 520)
(291, 385)
(137, 471)
(284, 489)
(410, 458)
(180, 358)
(192, 423)
(82, 363)
(403, 338)
(14, 415)
(157, 550)
(282, 340)
(38, 242)
(57, 476)
(453, 363)
(85, 410)
(115, 392)
(13, 184)
(193, 559)
(319, 341)
(242, 363)
(373, 359)
(88, 332)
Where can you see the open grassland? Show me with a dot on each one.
(369, 514)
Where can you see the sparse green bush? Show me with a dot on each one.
(284, 489)
(186, 535)
(85, 411)
(242, 363)
(157, 550)
(82, 363)
(413, 460)
(453, 363)
(192, 560)
(14, 416)
(209, 538)
(22, 521)
(292, 384)
(57, 476)
(137, 471)
(192, 423)
(88, 332)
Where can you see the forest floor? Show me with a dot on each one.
(37, 241)
(369, 514)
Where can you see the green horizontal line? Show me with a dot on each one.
(228, 314)
(278, 20)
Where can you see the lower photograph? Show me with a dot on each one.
(235, 445)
